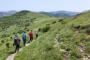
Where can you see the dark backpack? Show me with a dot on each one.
(15, 42)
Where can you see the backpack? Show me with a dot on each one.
(24, 36)
(16, 41)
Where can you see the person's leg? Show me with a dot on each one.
(18, 46)
(15, 48)
(24, 42)
(29, 41)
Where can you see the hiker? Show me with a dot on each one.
(30, 36)
(36, 35)
(24, 38)
(16, 43)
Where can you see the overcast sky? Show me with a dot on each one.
(45, 5)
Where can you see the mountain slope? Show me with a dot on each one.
(19, 18)
(58, 39)
(64, 40)
(17, 23)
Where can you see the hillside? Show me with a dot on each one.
(17, 23)
(64, 40)
(58, 39)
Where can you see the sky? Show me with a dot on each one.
(45, 5)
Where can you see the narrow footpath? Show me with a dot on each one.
(11, 57)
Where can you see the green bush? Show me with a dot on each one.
(68, 49)
(7, 45)
(5, 35)
(76, 54)
(87, 50)
(60, 20)
(53, 22)
(76, 26)
(2, 41)
(20, 31)
(44, 29)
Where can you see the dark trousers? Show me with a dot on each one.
(17, 48)
(30, 40)
(24, 42)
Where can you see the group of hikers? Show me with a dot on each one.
(24, 36)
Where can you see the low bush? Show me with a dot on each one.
(53, 22)
(7, 45)
(20, 31)
(60, 20)
(44, 29)
(2, 41)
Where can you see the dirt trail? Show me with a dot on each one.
(11, 57)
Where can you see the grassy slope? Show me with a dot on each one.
(15, 24)
(46, 48)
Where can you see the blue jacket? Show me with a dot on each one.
(24, 36)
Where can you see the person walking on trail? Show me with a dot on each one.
(24, 38)
(36, 35)
(30, 36)
(16, 43)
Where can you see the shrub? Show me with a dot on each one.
(14, 32)
(44, 29)
(76, 26)
(60, 20)
(27, 24)
(48, 48)
(2, 41)
(7, 45)
(63, 22)
(62, 46)
(88, 31)
(88, 50)
(20, 31)
(5, 35)
(39, 29)
(33, 19)
(76, 54)
(53, 22)
(68, 49)
(26, 29)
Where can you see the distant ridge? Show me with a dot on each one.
(60, 13)
(7, 13)
(52, 13)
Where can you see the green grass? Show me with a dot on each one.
(46, 46)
